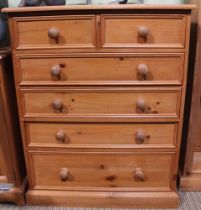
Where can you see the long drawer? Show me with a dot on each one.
(141, 102)
(144, 69)
(150, 31)
(101, 134)
(102, 170)
(72, 31)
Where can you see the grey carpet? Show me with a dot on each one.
(188, 201)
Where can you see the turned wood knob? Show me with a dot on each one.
(56, 70)
(53, 33)
(143, 31)
(57, 104)
(60, 136)
(64, 174)
(140, 136)
(141, 105)
(139, 174)
(143, 70)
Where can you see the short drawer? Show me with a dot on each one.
(133, 69)
(103, 170)
(101, 134)
(55, 32)
(149, 31)
(97, 102)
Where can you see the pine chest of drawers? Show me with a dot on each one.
(101, 93)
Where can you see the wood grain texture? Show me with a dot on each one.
(102, 171)
(103, 199)
(196, 166)
(190, 183)
(188, 180)
(116, 31)
(123, 31)
(101, 134)
(103, 7)
(12, 168)
(122, 69)
(15, 195)
(5, 163)
(97, 102)
(73, 32)
(100, 108)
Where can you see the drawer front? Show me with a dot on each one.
(145, 69)
(56, 32)
(100, 134)
(96, 102)
(102, 170)
(160, 31)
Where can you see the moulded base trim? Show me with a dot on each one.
(103, 199)
(191, 183)
(15, 195)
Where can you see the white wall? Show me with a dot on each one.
(15, 3)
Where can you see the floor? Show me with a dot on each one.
(189, 201)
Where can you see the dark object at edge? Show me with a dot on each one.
(29, 3)
(123, 2)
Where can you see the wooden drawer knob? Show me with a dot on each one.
(141, 106)
(140, 136)
(57, 104)
(53, 33)
(139, 174)
(143, 70)
(64, 174)
(143, 31)
(56, 70)
(60, 136)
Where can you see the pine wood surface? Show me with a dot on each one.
(12, 169)
(75, 102)
(102, 171)
(103, 7)
(187, 200)
(42, 100)
(191, 178)
(101, 134)
(163, 69)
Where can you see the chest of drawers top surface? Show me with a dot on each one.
(97, 29)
